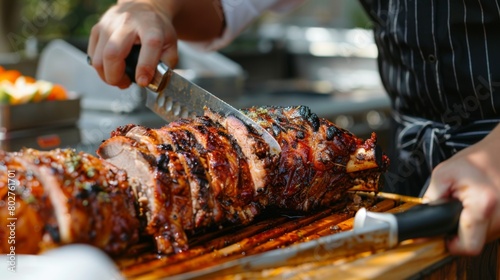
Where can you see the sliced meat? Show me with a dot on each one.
(187, 176)
(84, 200)
(193, 157)
(23, 198)
(228, 170)
(167, 162)
(143, 160)
(257, 152)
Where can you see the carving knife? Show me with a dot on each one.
(372, 231)
(171, 97)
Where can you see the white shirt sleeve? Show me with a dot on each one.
(239, 14)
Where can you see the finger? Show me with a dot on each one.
(94, 36)
(114, 54)
(152, 42)
(170, 56)
(470, 238)
(479, 202)
(439, 186)
(97, 58)
(125, 82)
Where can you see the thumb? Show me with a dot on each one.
(439, 186)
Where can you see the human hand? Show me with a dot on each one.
(128, 23)
(473, 177)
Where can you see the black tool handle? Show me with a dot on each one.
(131, 62)
(426, 220)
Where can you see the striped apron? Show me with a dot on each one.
(439, 61)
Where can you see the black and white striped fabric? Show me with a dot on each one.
(440, 63)
(422, 144)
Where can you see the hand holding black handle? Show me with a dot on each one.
(160, 77)
(427, 220)
(131, 62)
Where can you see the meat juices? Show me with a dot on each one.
(191, 174)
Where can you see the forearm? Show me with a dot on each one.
(209, 23)
(495, 133)
(487, 155)
(193, 20)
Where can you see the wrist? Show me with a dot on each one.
(494, 135)
(484, 154)
(166, 9)
(496, 130)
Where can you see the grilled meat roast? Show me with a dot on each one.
(215, 169)
(319, 161)
(64, 197)
(192, 174)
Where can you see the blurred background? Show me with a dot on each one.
(321, 55)
(26, 25)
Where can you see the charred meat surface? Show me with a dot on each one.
(207, 178)
(189, 175)
(216, 169)
(317, 157)
(68, 197)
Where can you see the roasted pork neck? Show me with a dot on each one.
(192, 174)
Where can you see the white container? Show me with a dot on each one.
(62, 63)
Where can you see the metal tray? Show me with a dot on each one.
(41, 139)
(41, 114)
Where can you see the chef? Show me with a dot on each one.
(439, 61)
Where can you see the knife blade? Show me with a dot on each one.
(372, 231)
(171, 96)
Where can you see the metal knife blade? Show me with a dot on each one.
(372, 231)
(171, 97)
(374, 236)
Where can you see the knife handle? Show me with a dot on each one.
(160, 77)
(427, 220)
(131, 62)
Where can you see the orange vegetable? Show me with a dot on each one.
(58, 92)
(18, 89)
(10, 75)
(30, 80)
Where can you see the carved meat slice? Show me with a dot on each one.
(78, 198)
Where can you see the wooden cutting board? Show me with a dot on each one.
(413, 259)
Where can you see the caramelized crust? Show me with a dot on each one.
(83, 200)
(187, 176)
